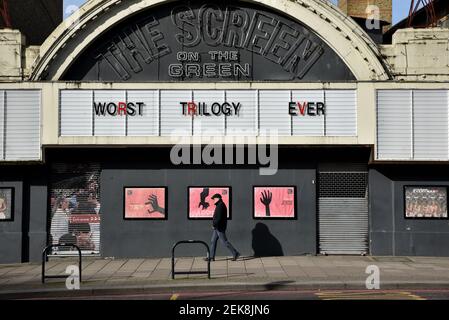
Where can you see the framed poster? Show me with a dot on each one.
(274, 202)
(6, 204)
(145, 203)
(201, 205)
(425, 202)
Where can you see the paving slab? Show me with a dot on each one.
(246, 273)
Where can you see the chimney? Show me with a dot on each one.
(357, 9)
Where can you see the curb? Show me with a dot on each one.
(218, 287)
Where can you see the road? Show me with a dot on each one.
(428, 294)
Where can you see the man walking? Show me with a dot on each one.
(220, 221)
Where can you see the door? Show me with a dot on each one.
(75, 207)
(343, 209)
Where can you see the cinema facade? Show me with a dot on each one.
(87, 139)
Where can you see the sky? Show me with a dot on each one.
(400, 8)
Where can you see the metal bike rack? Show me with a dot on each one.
(173, 273)
(45, 259)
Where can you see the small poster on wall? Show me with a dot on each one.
(6, 204)
(145, 203)
(274, 202)
(426, 202)
(202, 206)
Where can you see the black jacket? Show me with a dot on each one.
(220, 219)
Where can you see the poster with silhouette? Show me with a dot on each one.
(201, 205)
(273, 202)
(426, 202)
(145, 203)
(6, 201)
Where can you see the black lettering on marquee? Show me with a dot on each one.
(310, 109)
(292, 108)
(320, 109)
(216, 108)
(118, 109)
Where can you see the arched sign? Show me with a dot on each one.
(205, 41)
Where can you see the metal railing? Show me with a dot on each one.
(173, 272)
(45, 259)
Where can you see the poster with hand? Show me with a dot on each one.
(145, 203)
(274, 202)
(201, 204)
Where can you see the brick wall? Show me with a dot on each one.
(357, 8)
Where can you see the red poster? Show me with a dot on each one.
(201, 205)
(145, 203)
(274, 202)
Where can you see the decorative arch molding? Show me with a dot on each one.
(360, 54)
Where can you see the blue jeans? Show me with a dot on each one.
(222, 235)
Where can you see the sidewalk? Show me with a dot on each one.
(280, 273)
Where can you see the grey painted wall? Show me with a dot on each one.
(23, 239)
(152, 166)
(38, 214)
(390, 232)
(145, 238)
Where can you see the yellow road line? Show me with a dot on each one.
(365, 295)
(352, 293)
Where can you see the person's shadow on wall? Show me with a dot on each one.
(264, 243)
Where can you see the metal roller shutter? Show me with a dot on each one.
(273, 116)
(75, 113)
(109, 125)
(394, 125)
(22, 131)
(430, 124)
(308, 126)
(209, 126)
(246, 124)
(75, 206)
(173, 122)
(343, 212)
(341, 113)
(148, 123)
(2, 124)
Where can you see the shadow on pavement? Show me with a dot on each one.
(277, 285)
